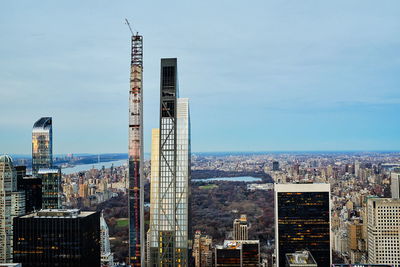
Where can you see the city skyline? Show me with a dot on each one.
(330, 85)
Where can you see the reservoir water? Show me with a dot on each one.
(230, 179)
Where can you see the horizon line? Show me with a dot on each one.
(229, 151)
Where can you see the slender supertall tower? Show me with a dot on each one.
(136, 226)
(170, 188)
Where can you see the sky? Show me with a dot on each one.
(260, 75)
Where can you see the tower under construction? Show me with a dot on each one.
(136, 225)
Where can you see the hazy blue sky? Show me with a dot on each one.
(260, 75)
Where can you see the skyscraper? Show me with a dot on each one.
(395, 184)
(240, 228)
(135, 173)
(173, 192)
(12, 204)
(202, 250)
(7, 180)
(275, 166)
(51, 187)
(107, 258)
(32, 186)
(64, 238)
(383, 231)
(302, 221)
(42, 144)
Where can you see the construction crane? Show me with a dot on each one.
(129, 25)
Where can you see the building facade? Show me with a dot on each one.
(32, 186)
(302, 221)
(42, 144)
(154, 193)
(107, 258)
(135, 153)
(383, 231)
(51, 188)
(202, 250)
(12, 204)
(395, 184)
(241, 228)
(171, 216)
(233, 253)
(7, 181)
(64, 238)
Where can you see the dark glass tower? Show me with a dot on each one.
(63, 238)
(32, 186)
(302, 221)
(51, 191)
(42, 144)
(136, 201)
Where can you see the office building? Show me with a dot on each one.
(395, 184)
(135, 153)
(202, 250)
(32, 186)
(275, 166)
(51, 187)
(240, 228)
(173, 192)
(302, 221)
(12, 204)
(7, 180)
(354, 234)
(383, 231)
(233, 253)
(107, 258)
(64, 238)
(300, 259)
(42, 144)
(21, 173)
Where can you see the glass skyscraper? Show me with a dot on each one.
(51, 189)
(42, 144)
(302, 221)
(170, 188)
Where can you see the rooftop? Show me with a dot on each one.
(58, 213)
(43, 124)
(5, 159)
(236, 244)
(50, 170)
(300, 257)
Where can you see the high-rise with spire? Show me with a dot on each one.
(136, 226)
